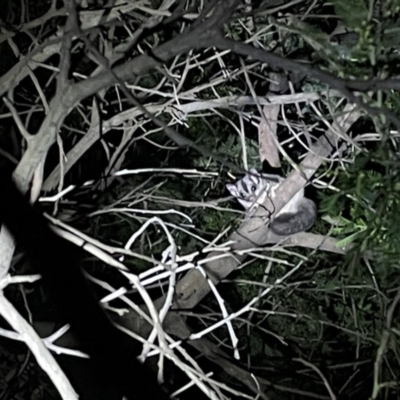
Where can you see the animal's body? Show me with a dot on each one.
(296, 216)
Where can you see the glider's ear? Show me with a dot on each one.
(233, 189)
(253, 171)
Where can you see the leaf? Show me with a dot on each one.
(347, 240)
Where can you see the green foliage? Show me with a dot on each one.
(353, 229)
(376, 36)
(353, 13)
(213, 221)
(366, 50)
(368, 205)
(253, 273)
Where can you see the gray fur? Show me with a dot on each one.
(297, 215)
(288, 224)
